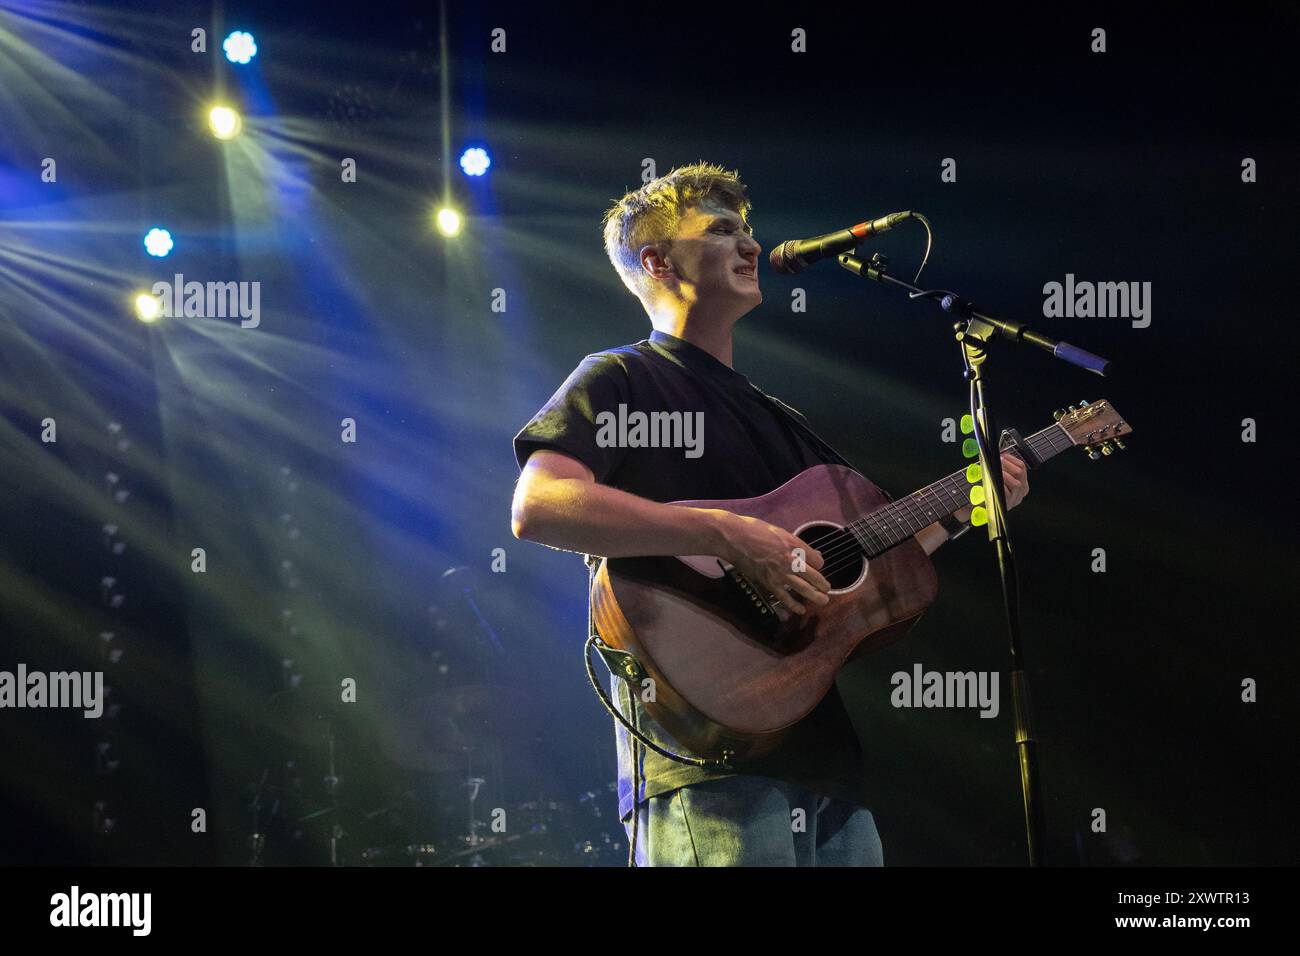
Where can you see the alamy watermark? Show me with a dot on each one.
(922, 688)
(1101, 300)
(77, 909)
(82, 690)
(651, 430)
(211, 300)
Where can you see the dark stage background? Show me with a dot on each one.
(329, 560)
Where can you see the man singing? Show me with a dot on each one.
(682, 244)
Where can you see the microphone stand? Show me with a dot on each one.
(974, 332)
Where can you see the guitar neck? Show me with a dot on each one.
(904, 517)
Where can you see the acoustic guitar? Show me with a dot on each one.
(732, 667)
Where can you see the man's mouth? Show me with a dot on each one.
(750, 271)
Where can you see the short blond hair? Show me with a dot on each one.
(653, 214)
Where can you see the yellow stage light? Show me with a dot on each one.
(448, 221)
(224, 122)
(147, 307)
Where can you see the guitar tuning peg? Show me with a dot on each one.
(1119, 444)
(1107, 448)
(1083, 404)
(1092, 452)
(1058, 414)
(1074, 408)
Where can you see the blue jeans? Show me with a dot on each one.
(753, 821)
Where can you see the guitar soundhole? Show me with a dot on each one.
(842, 560)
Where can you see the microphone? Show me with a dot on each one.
(795, 255)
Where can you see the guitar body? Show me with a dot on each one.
(732, 668)
(723, 681)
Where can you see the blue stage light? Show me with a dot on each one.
(240, 47)
(158, 242)
(475, 161)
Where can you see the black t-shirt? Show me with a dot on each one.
(749, 444)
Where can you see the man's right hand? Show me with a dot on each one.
(558, 503)
(767, 555)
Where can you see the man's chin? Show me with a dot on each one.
(751, 302)
(736, 303)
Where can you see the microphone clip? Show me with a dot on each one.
(874, 269)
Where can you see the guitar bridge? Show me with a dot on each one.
(756, 608)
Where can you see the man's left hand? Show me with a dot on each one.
(1015, 478)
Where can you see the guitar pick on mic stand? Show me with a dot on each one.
(974, 332)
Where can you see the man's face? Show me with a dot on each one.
(715, 257)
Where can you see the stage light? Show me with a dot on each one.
(224, 122)
(448, 221)
(475, 161)
(240, 47)
(147, 307)
(158, 242)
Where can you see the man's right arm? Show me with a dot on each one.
(558, 503)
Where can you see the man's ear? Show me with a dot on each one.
(655, 262)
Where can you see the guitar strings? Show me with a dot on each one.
(842, 554)
(845, 551)
(846, 547)
(844, 543)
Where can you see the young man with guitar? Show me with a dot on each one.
(683, 245)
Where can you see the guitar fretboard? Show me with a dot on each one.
(897, 521)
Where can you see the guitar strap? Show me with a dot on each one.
(791, 416)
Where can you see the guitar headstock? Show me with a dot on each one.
(1094, 425)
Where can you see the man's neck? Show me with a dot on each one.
(712, 337)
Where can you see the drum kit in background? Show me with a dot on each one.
(542, 833)
(466, 738)
(537, 833)
(439, 795)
